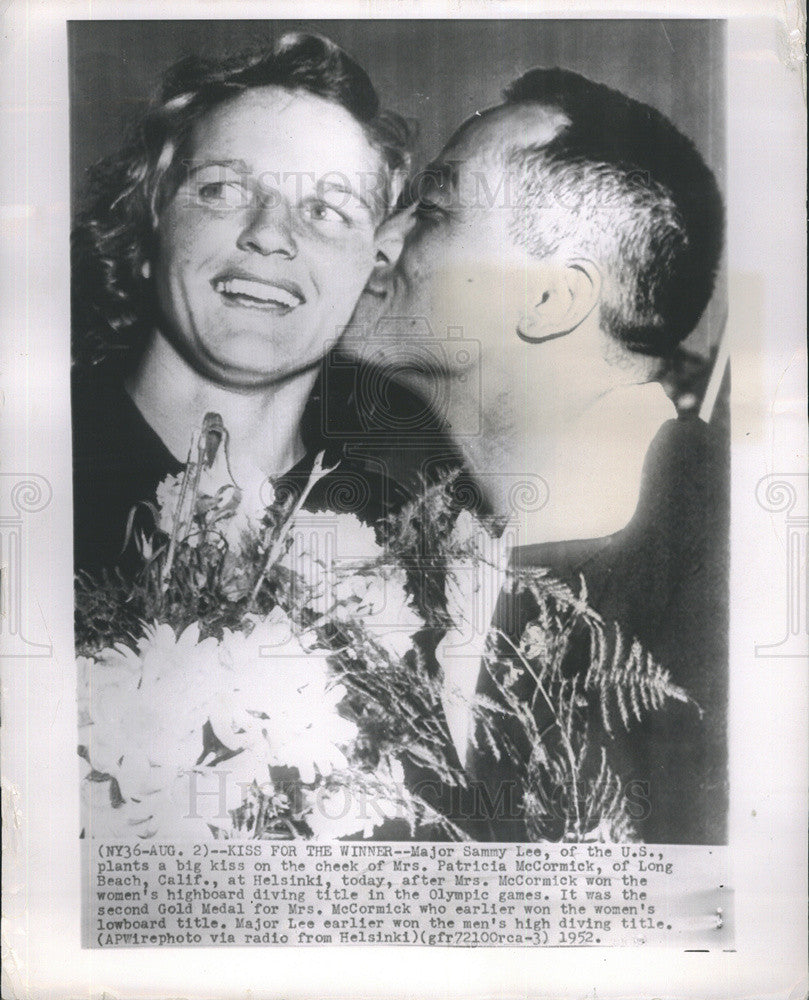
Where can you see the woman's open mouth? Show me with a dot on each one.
(255, 293)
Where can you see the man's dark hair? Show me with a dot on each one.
(620, 180)
(113, 305)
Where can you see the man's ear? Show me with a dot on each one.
(390, 238)
(561, 297)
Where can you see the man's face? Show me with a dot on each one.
(462, 268)
(270, 237)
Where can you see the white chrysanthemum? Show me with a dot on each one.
(346, 810)
(388, 613)
(331, 539)
(280, 701)
(341, 566)
(357, 540)
(145, 710)
(241, 522)
(167, 496)
(234, 517)
(342, 534)
(466, 530)
(474, 540)
(269, 696)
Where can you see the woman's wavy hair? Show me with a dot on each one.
(113, 305)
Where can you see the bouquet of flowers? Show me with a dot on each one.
(248, 683)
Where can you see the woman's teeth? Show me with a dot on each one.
(258, 291)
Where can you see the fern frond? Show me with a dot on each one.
(630, 682)
(605, 815)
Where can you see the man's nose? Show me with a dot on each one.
(268, 228)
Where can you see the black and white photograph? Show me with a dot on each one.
(281, 531)
(416, 429)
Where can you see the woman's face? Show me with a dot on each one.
(270, 237)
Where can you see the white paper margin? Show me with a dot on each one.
(767, 252)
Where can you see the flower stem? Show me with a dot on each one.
(317, 473)
(571, 756)
(207, 443)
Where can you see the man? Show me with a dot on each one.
(561, 248)
(222, 253)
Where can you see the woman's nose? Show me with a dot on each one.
(268, 228)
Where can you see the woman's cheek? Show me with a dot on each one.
(356, 262)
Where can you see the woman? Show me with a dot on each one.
(221, 256)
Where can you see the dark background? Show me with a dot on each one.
(436, 72)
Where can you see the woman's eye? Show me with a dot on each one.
(319, 211)
(223, 194)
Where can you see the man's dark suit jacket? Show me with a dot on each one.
(663, 579)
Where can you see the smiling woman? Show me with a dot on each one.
(259, 262)
(222, 254)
